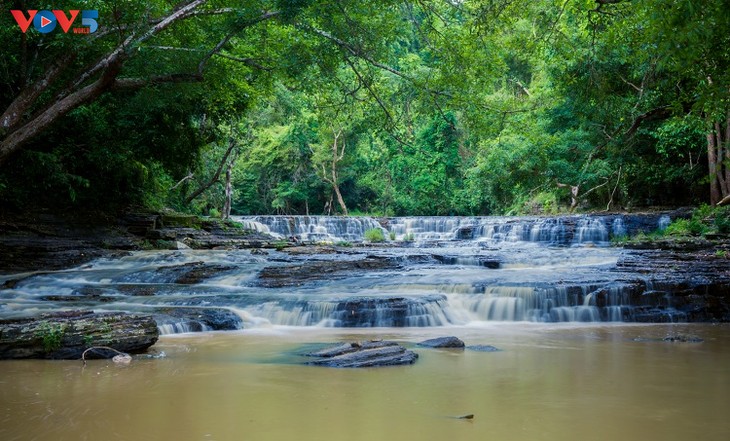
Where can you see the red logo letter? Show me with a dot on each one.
(20, 18)
(63, 21)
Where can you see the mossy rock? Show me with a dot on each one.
(177, 220)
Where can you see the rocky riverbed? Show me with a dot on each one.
(203, 275)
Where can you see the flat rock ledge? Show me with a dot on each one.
(65, 335)
(363, 354)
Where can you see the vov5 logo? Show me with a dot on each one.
(46, 21)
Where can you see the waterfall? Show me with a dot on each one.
(560, 231)
(586, 303)
(452, 271)
(312, 228)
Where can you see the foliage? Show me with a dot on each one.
(51, 335)
(441, 108)
(374, 235)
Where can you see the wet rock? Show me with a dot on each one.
(301, 273)
(682, 285)
(483, 348)
(383, 311)
(183, 319)
(65, 335)
(363, 354)
(443, 342)
(484, 261)
(10, 284)
(185, 274)
(683, 338)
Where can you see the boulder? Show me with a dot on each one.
(443, 342)
(363, 354)
(65, 335)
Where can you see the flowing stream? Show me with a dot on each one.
(545, 291)
(430, 272)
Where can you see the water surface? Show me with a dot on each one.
(549, 382)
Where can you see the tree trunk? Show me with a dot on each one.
(712, 163)
(229, 192)
(718, 160)
(337, 154)
(216, 175)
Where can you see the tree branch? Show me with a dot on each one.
(216, 176)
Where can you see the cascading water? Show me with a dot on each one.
(312, 228)
(567, 230)
(456, 271)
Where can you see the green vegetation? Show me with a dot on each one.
(392, 107)
(52, 336)
(374, 235)
(705, 221)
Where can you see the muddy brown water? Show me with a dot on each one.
(548, 382)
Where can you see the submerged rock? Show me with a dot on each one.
(483, 348)
(683, 338)
(443, 342)
(363, 354)
(65, 335)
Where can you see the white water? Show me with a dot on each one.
(566, 230)
(509, 269)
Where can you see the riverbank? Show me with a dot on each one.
(46, 241)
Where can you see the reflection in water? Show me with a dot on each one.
(557, 382)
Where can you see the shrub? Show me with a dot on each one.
(374, 235)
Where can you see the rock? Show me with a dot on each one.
(443, 342)
(183, 319)
(683, 338)
(65, 335)
(365, 354)
(140, 224)
(483, 348)
(178, 220)
(484, 261)
(397, 312)
(301, 273)
(186, 274)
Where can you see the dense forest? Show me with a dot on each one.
(389, 107)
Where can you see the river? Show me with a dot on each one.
(548, 382)
(574, 361)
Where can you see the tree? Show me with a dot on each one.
(327, 160)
